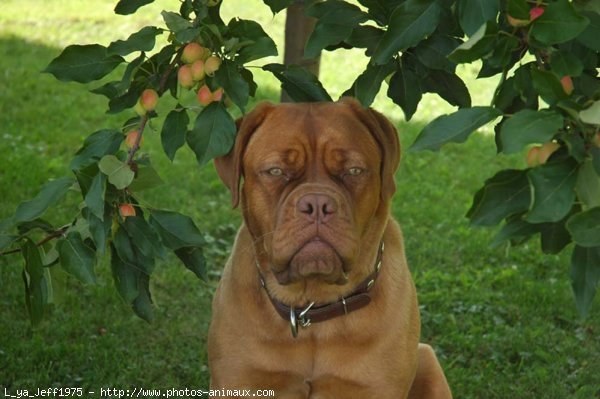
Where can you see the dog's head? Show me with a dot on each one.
(318, 179)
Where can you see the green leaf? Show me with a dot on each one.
(261, 45)
(229, 77)
(213, 133)
(300, 84)
(142, 304)
(595, 151)
(172, 135)
(505, 194)
(77, 259)
(249, 78)
(6, 240)
(474, 13)
(433, 52)
(365, 36)
(99, 229)
(277, 5)
(26, 227)
(176, 230)
(367, 85)
(405, 90)
(119, 173)
(126, 7)
(591, 114)
(448, 86)
(175, 22)
(95, 146)
(559, 23)
(117, 88)
(193, 259)
(480, 44)
(336, 20)
(50, 193)
(565, 63)
(37, 283)
(325, 35)
(125, 277)
(529, 126)
(144, 237)
(585, 227)
(516, 230)
(585, 275)
(554, 237)
(410, 23)
(381, 10)
(589, 36)
(146, 178)
(588, 185)
(455, 127)
(83, 64)
(518, 9)
(553, 190)
(548, 86)
(94, 199)
(143, 40)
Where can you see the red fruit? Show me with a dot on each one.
(567, 84)
(205, 96)
(126, 210)
(184, 76)
(192, 52)
(532, 157)
(197, 69)
(149, 99)
(132, 137)
(218, 94)
(535, 13)
(211, 65)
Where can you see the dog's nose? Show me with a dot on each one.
(318, 208)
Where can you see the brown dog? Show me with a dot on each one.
(316, 300)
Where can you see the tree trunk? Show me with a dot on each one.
(298, 28)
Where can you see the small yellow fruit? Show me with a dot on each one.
(132, 137)
(149, 99)
(218, 94)
(211, 65)
(567, 84)
(516, 22)
(192, 52)
(185, 76)
(546, 150)
(596, 140)
(205, 96)
(197, 69)
(532, 157)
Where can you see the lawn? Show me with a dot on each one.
(502, 320)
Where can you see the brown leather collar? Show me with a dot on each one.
(358, 299)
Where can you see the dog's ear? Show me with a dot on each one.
(386, 136)
(229, 167)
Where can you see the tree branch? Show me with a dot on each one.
(144, 120)
(52, 236)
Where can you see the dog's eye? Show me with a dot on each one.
(275, 172)
(355, 171)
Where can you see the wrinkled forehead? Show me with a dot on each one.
(312, 127)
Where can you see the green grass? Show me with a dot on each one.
(502, 320)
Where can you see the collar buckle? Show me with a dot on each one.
(300, 319)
